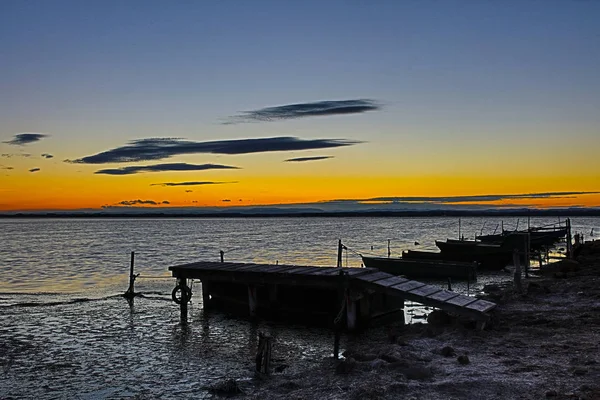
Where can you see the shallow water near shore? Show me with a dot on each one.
(66, 333)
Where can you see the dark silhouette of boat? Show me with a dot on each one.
(423, 269)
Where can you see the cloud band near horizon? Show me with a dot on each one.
(161, 148)
(135, 169)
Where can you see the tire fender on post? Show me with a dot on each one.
(177, 289)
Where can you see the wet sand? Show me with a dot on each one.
(541, 343)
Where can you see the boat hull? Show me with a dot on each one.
(423, 269)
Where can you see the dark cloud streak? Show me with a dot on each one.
(34, 170)
(46, 155)
(302, 159)
(301, 110)
(199, 183)
(161, 148)
(135, 169)
(21, 139)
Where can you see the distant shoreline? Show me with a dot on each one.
(325, 214)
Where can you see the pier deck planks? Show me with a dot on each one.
(329, 277)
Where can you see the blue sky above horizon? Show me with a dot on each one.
(492, 90)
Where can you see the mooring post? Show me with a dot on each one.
(222, 253)
(130, 293)
(569, 239)
(449, 284)
(527, 254)
(339, 319)
(182, 283)
(517, 275)
(252, 300)
(205, 295)
(339, 255)
(389, 249)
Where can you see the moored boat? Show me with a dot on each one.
(423, 269)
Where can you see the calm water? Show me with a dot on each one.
(64, 332)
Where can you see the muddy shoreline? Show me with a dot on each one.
(541, 343)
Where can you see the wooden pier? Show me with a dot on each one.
(360, 295)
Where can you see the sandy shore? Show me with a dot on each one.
(542, 343)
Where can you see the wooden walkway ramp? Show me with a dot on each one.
(359, 279)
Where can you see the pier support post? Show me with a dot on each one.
(517, 276)
(263, 354)
(569, 239)
(206, 295)
(183, 306)
(252, 300)
(350, 312)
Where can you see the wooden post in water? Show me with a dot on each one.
(206, 295)
(339, 319)
(339, 255)
(569, 239)
(182, 283)
(222, 253)
(517, 275)
(263, 354)
(459, 229)
(389, 249)
(252, 300)
(130, 293)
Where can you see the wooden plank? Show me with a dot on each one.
(358, 271)
(297, 269)
(394, 280)
(305, 271)
(230, 267)
(461, 300)
(249, 267)
(373, 277)
(282, 268)
(482, 306)
(327, 271)
(443, 295)
(408, 286)
(264, 268)
(426, 290)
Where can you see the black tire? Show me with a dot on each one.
(176, 299)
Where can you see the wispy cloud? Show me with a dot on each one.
(5, 167)
(11, 155)
(302, 159)
(139, 202)
(301, 110)
(34, 170)
(226, 200)
(21, 139)
(189, 191)
(46, 155)
(199, 183)
(475, 198)
(161, 148)
(135, 169)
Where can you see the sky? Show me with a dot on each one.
(112, 104)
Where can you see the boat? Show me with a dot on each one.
(423, 269)
(538, 237)
(490, 256)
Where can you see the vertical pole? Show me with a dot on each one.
(339, 255)
(130, 293)
(527, 255)
(449, 284)
(569, 239)
(528, 222)
(517, 275)
(389, 248)
(337, 324)
(205, 295)
(252, 300)
(182, 282)
(222, 253)
(459, 229)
